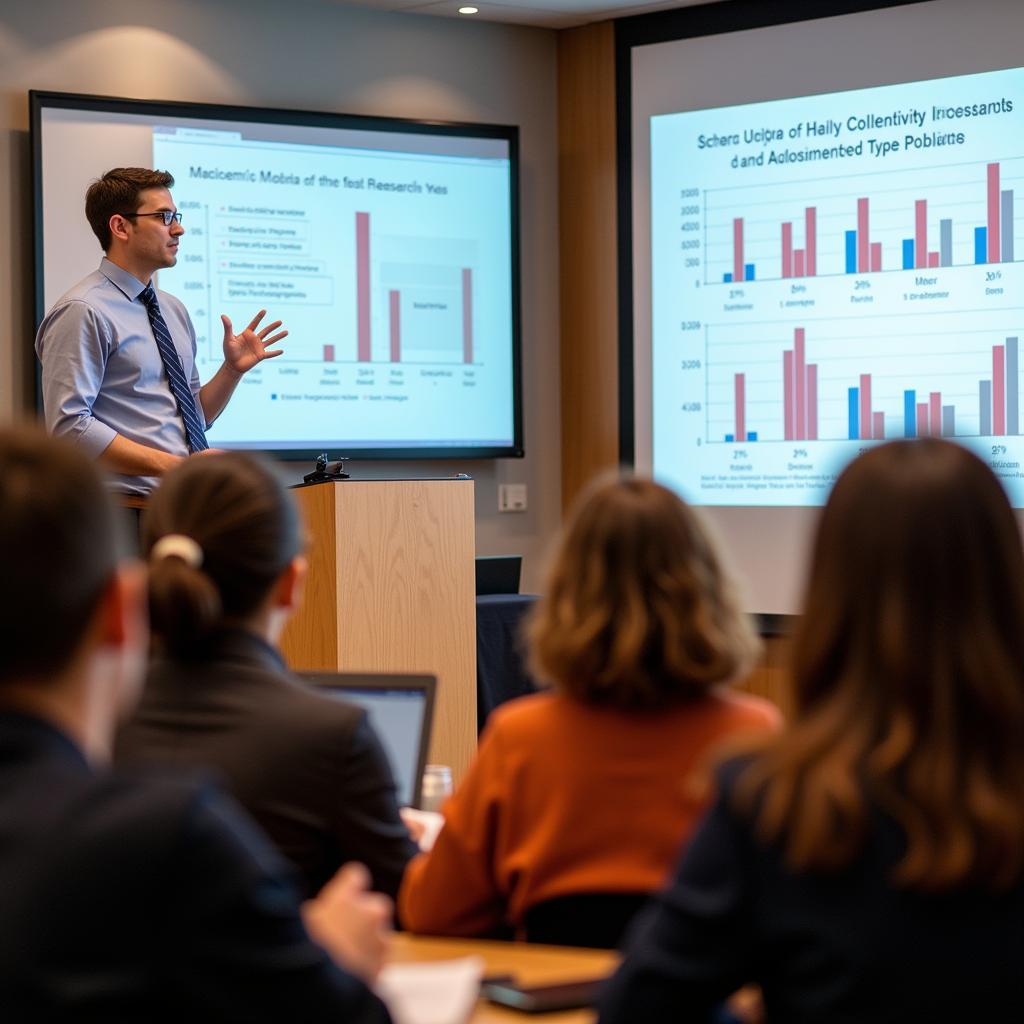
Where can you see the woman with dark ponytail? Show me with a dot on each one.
(225, 547)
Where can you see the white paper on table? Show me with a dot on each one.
(430, 821)
(441, 992)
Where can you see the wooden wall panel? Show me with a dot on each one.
(587, 240)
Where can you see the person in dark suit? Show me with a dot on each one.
(128, 898)
(226, 568)
(868, 865)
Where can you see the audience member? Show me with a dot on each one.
(225, 571)
(130, 899)
(576, 804)
(868, 865)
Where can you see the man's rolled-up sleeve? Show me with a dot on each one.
(72, 345)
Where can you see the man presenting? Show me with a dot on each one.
(118, 356)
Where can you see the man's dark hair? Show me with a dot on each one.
(59, 547)
(118, 192)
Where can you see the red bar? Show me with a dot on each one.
(876, 256)
(787, 249)
(811, 240)
(787, 393)
(862, 239)
(933, 259)
(800, 379)
(798, 263)
(741, 412)
(865, 406)
(921, 232)
(922, 419)
(737, 249)
(395, 301)
(994, 252)
(363, 286)
(935, 412)
(998, 387)
(812, 401)
(328, 353)
(467, 315)
(879, 426)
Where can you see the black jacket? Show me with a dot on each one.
(308, 767)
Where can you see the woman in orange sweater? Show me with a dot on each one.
(584, 795)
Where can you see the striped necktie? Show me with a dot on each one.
(194, 432)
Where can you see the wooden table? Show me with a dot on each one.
(532, 965)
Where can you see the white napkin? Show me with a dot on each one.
(442, 992)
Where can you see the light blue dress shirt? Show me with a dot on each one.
(102, 373)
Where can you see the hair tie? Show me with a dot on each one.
(177, 545)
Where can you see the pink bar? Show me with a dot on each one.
(878, 419)
(935, 412)
(467, 315)
(876, 256)
(363, 286)
(737, 249)
(328, 353)
(998, 388)
(787, 393)
(921, 232)
(811, 240)
(862, 236)
(866, 422)
(933, 259)
(798, 263)
(741, 412)
(787, 249)
(994, 253)
(922, 419)
(395, 302)
(812, 401)
(800, 380)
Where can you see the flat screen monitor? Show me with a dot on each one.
(389, 249)
(401, 711)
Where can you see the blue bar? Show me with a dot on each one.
(949, 421)
(851, 252)
(985, 407)
(729, 438)
(854, 414)
(981, 245)
(727, 278)
(910, 414)
(908, 254)
(748, 272)
(751, 435)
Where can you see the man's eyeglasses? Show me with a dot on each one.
(168, 216)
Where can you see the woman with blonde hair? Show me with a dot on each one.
(868, 865)
(578, 800)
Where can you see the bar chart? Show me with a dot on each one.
(944, 216)
(861, 386)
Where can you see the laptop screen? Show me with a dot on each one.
(400, 708)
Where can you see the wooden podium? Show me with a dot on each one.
(391, 589)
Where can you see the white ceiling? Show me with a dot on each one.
(539, 13)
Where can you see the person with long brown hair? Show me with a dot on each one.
(579, 798)
(225, 548)
(868, 865)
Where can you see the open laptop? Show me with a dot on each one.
(401, 711)
(498, 574)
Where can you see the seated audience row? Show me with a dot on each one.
(129, 898)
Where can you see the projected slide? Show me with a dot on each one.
(390, 270)
(833, 271)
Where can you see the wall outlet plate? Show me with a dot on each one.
(511, 497)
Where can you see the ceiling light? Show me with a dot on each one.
(468, 10)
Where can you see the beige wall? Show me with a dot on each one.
(318, 55)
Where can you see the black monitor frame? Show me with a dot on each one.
(40, 100)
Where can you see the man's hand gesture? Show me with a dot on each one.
(243, 351)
